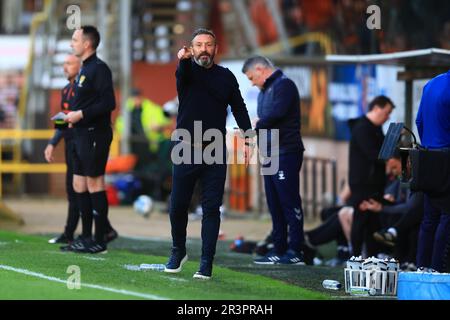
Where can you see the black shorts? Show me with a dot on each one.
(91, 152)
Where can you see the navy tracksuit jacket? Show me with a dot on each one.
(279, 109)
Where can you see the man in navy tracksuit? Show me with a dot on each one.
(205, 90)
(279, 111)
(433, 125)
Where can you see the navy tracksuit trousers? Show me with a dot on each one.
(285, 204)
(212, 178)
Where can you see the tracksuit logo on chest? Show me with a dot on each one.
(281, 175)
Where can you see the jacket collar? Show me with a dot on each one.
(90, 58)
(278, 73)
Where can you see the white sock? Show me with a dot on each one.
(392, 231)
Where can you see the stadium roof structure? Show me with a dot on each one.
(432, 57)
(418, 64)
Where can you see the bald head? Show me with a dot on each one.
(71, 66)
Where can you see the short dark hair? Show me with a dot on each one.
(203, 31)
(252, 61)
(91, 34)
(380, 101)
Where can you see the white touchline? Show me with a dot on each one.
(87, 285)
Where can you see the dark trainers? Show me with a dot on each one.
(265, 246)
(111, 235)
(270, 258)
(92, 247)
(79, 243)
(385, 237)
(62, 238)
(176, 261)
(343, 253)
(205, 271)
(293, 258)
(308, 255)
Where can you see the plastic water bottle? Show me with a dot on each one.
(363, 292)
(152, 266)
(331, 284)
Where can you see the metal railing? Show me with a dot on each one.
(16, 165)
(318, 187)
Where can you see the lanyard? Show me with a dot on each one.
(69, 92)
(67, 97)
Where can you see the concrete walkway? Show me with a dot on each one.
(47, 215)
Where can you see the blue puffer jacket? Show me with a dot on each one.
(279, 108)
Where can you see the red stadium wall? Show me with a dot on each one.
(156, 81)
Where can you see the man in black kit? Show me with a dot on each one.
(205, 90)
(367, 177)
(91, 118)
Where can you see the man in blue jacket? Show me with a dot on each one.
(433, 125)
(279, 114)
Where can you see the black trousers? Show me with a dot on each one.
(212, 181)
(73, 212)
(329, 230)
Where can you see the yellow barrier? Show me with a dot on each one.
(13, 134)
(33, 168)
(323, 39)
(19, 167)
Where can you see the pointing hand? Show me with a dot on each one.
(184, 53)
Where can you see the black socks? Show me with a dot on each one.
(85, 206)
(100, 207)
